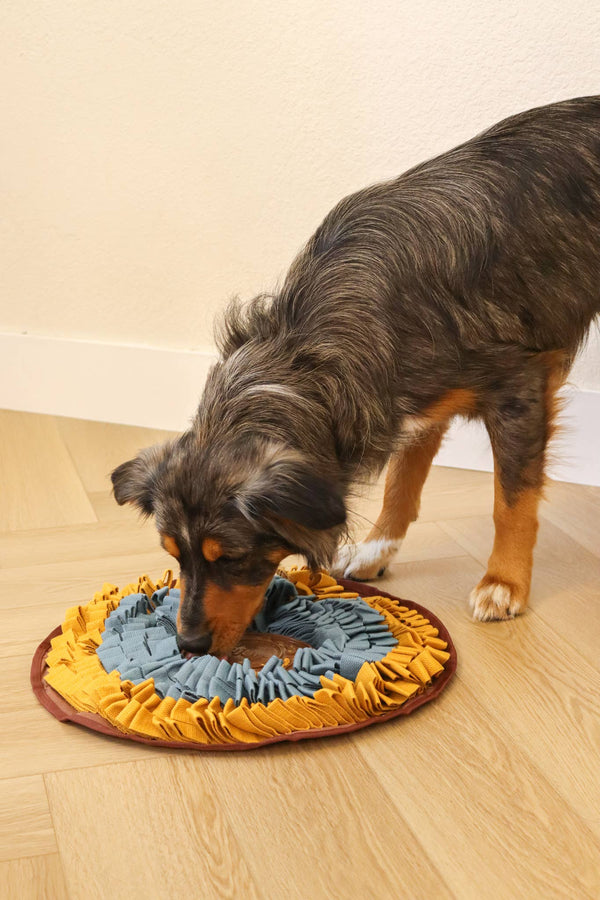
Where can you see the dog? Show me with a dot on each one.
(465, 287)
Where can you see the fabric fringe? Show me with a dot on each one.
(76, 673)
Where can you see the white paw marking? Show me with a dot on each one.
(364, 561)
(495, 600)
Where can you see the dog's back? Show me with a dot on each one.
(497, 240)
(531, 193)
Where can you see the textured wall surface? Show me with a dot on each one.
(157, 158)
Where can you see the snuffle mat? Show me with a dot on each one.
(323, 658)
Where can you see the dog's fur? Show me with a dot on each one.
(466, 286)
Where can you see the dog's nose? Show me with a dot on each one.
(197, 644)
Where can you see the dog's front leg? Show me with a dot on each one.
(503, 591)
(406, 474)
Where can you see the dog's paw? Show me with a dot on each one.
(364, 561)
(494, 599)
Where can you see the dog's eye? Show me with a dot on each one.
(235, 558)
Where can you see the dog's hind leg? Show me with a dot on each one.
(407, 470)
(519, 423)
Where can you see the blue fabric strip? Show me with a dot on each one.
(139, 643)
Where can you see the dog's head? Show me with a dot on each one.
(229, 515)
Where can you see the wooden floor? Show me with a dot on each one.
(492, 791)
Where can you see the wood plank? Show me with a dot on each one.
(40, 486)
(472, 796)
(35, 743)
(97, 540)
(96, 448)
(26, 627)
(25, 823)
(527, 674)
(336, 846)
(453, 493)
(186, 848)
(107, 509)
(426, 540)
(64, 583)
(321, 822)
(294, 839)
(35, 878)
(16, 687)
(34, 601)
(566, 580)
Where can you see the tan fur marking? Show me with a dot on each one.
(516, 526)
(451, 404)
(170, 545)
(407, 471)
(211, 549)
(228, 613)
(275, 556)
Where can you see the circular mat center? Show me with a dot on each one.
(260, 646)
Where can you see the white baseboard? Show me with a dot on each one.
(159, 388)
(106, 382)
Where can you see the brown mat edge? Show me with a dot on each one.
(61, 710)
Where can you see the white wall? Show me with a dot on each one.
(157, 158)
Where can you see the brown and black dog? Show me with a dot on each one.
(464, 287)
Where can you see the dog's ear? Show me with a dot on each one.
(134, 481)
(288, 488)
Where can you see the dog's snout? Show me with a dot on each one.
(197, 644)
